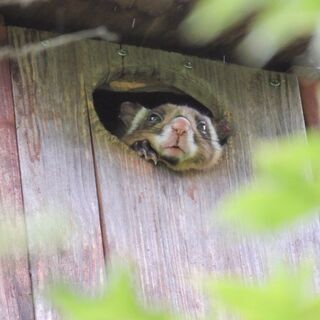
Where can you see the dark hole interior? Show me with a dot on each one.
(107, 105)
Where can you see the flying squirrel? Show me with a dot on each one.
(177, 135)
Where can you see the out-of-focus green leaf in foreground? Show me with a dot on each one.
(286, 296)
(46, 231)
(118, 303)
(274, 26)
(273, 29)
(211, 17)
(287, 185)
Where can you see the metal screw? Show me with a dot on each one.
(122, 52)
(275, 83)
(188, 65)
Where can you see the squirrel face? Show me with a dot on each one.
(179, 136)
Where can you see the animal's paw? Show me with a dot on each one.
(145, 151)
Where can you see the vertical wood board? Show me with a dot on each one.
(309, 84)
(15, 284)
(58, 178)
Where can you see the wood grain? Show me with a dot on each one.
(167, 223)
(58, 178)
(15, 284)
(309, 84)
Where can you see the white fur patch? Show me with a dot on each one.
(214, 137)
(167, 132)
(137, 119)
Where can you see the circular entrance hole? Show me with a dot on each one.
(107, 105)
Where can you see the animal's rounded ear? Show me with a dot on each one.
(128, 110)
(129, 107)
(224, 130)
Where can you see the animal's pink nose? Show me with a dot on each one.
(180, 125)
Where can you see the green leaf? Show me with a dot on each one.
(285, 296)
(273, 29)
(211, 17)
(286, 187)
(273, 24)
(118, 303)
(292, 156)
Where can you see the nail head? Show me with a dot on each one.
(188, 65)
(275, 83)
(122, 52)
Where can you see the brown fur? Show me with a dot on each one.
(207, 154)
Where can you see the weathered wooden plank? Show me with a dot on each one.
(309, 83)
(15, 284)
(58, 178)
(168, 223)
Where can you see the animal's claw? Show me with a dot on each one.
(144, 150)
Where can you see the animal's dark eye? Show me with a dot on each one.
(154, 118)
(202, 126)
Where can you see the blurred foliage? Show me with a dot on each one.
(118, 303)
(273, 24)
(287, 295)
(211, 17)
(286, 185)
(49, 231)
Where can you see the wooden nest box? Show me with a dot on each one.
(57, 157)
